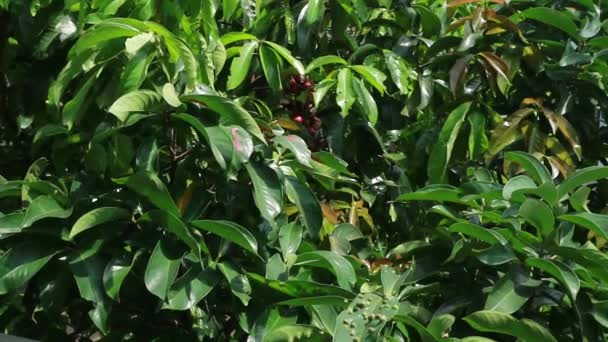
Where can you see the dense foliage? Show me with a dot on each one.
(278, 170)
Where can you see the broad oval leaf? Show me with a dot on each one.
(501, 323)
(562, 272)
(162, 269)
(152, 188)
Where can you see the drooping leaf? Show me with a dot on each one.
(442, 149)
(307, 203)
(267, 192)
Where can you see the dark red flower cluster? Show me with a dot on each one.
(301, 106)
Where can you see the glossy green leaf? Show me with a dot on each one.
(297, 146)
(191, 288)
(272, 67)
(365, 101)
(239, 69)
(307, 203)
(535, 169)
(553, 18)
(345, 94)
(290, 237)
(501, 323)
(229, 231)
(162, 269)
(44, 207)
(149, 186)
(98, 216)
(371, 75)
(509, 293)
(337, 264)
(287, 56)
(538, 214)
(239, 283)
(442, 149)
(562, 272)
(135, 102)
(596, 223)
(267, 192)
(19, 264)
(582, 177)
(229, 111)
(323, 61)
(115, 273)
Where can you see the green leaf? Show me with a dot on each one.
(229, 111)
(170, 95)
(271, 65)
(501, 323)
(239, 283)
(509, 293)
(335, 263)
(287, 56)
(76, 107)
(191, 288)
(44, 207)
(434, 192)
(88, 273)
(316, 9)
(105, 31)
(442, 149)
(174, 225)
(135, 101)
(552, 17)
(372, 75)
(294, 332)
(267, 192)
(560, 271)
(307, 203)
(231, 232)
(295, 288)
(597, 223)
(19, 264)
(135, 71)
(239, 69)
(478, 140)
(290, 237)
(321, 89)
(162, 269)
(535, 169)
(441, 324)
(538, 214)
(98, 216)
(429, 22)
(581, 177)
(232, 37)
(297, 146)
(516, 184)
(487, 235)
(152, 188)
(115, 273)
(345, 95)
(399, 71)
(324, 60)
(365, 101)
